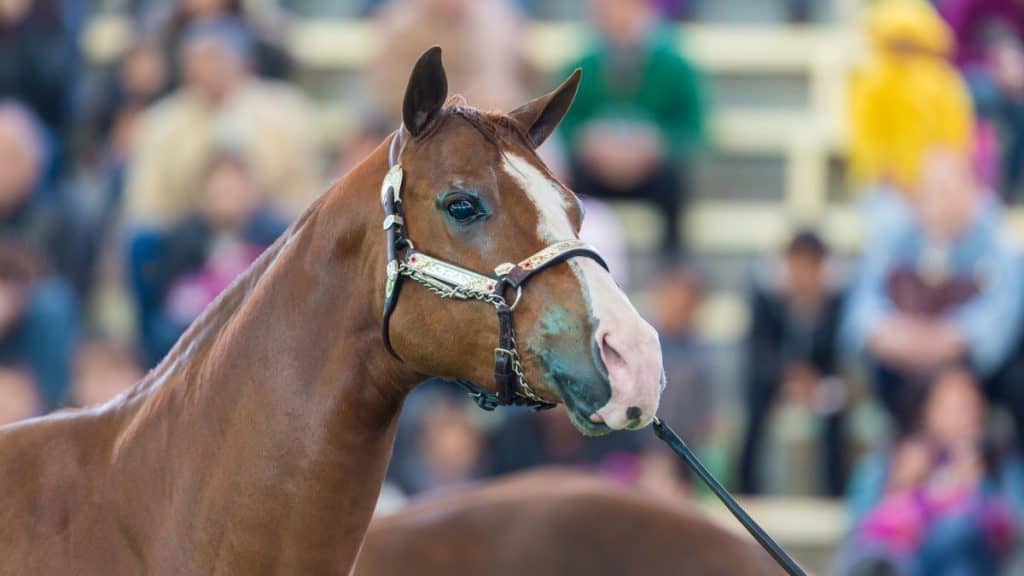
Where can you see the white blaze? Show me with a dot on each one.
(629, 345)
(552, 208)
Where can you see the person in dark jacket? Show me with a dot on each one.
(39, 60)
(188, 266)
(38, 310)
(792, 351)
(638, 117)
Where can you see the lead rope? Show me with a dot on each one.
(667, 435)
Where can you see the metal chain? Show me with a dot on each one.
(524, 386)
(445, 290)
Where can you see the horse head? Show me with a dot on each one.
(474, 193)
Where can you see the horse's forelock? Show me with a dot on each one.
(497, 127)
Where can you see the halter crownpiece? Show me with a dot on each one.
(452, 281)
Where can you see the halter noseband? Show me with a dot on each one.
(451, 281)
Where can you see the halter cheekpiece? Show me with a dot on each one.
(451, 281)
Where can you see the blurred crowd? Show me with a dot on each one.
(132, 193)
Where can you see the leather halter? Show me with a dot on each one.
(452, 281)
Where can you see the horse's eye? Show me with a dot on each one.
(463, 210)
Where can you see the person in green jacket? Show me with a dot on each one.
(638, 114)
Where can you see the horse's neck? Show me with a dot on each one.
(272, 422)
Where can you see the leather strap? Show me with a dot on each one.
(394, 228)
(505, 377)
(554, 254)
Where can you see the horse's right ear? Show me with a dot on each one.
(426, 93)
(541, 116)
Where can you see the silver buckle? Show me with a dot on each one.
(504, 269)
(393, 180)
(392, 279)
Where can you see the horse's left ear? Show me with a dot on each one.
(540, 117)
(426, 92)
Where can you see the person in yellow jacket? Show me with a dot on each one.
(908, 99)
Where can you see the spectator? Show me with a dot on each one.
(451, 444)
(39, 60)
(908, 99)
(203, 253)
(481, 41)
(941, 502)
(989, 53)
(687, 403)
(139, 79)
(792, 352)
(32, 212)
(40, 310)
(37, 333)
(638, 114)
(440, 440)
(103, 370)
(172, 20)
(975, 23)
(526, 440)
(106, 144)
(221, 105)
(942, 287)
(25, 212)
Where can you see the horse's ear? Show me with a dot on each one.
(426, 93)
(540, 117)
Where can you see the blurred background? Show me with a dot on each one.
(815, 201)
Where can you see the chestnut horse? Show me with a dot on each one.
(259, 444)
(554, 522)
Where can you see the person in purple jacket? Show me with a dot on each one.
(990, 53)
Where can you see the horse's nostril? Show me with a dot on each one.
(610, 355)
(634, 413)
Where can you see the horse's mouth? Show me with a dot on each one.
(579, 409)
(585, 425)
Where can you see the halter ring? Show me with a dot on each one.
(519, 296)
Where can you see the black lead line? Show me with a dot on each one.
(667, 435)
